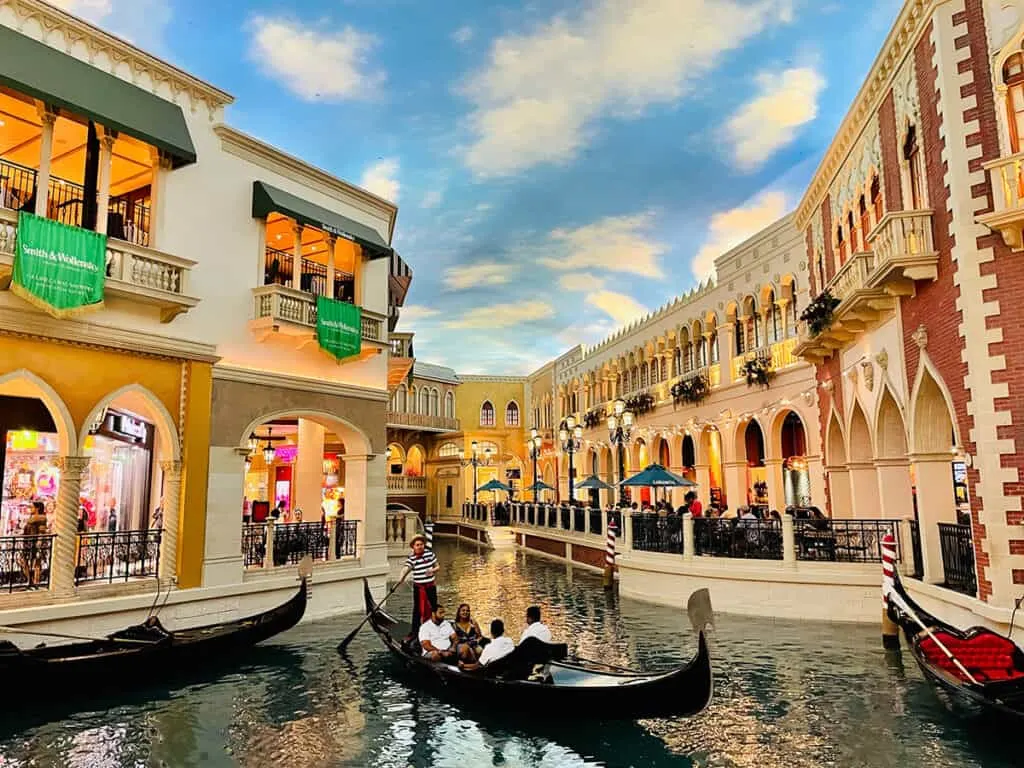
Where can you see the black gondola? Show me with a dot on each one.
(540, 678)
(995, 662)
(138, 654)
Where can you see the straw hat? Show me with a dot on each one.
(417, 537)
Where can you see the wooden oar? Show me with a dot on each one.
(902, 605)
(351, 635)
(62, 636)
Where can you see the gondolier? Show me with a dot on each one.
(422, 564)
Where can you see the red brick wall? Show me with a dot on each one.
(547, 546)
(889, 133)
(812, 267)
(826, 225)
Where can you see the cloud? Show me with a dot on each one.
(503, 315)
(540, 95)
(581, 282)
(785, 101)
(730, 228)
(463, 34)
(141, 22)
(432, 199)
(415, 313)
(615, 243)
(314, 65)
(476, 275)
(622, 309)
(381, 179)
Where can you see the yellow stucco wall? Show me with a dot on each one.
(195, 475)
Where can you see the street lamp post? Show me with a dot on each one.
(620, 425)
(571, 438)
(475, 461)
(535, 442)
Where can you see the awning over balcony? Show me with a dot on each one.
(267, 199)
(44, 73)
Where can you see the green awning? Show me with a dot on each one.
(267, 199)
(37, 70)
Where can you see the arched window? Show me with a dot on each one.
(512, 414)
(635, 376)
(677, 362)
(449, 451)
(713, 343)
(425, 401)
(912, 156)
(487, 414)
(841, 245)
(435, 402)
(449, 405)
(771, 319)
(664, 368)
(654, 371)
(876, 199)
(852, 226)
(643, 375)
(413, 402)
(401, 398)
(865, 220)
(1013, 78)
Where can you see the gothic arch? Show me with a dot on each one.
(24, 383)
(860, 448)
(890, 428)
(835, 442)
(137, 398)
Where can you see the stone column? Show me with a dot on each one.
(48, 117)
(727, 333)
(365, 501)
(788, 539)
(735, 483)
(935, 504)
(689, 544)
(158, 214)
(863, 490)
(309, 470)
(62, 562)
(895, 491)
(297, 256)
(171, 506)
(107, 139)
(329, 289)
(776, 486)
(780, 307)
(627, 523)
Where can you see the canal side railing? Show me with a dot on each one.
(25, 562)
(279, 544)
(117, 556)
(957, 548)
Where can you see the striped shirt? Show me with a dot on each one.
(421, 567)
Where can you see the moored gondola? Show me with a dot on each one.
(977, 670)
(541, 679)
(139, 654)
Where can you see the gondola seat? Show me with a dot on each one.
(519, 665)
(987, 656)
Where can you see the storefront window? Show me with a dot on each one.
(30, 473)
(116, 488)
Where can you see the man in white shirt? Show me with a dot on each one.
(534, 627)
(437, 637)
(499, 647)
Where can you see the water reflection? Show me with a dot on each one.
(787, 694)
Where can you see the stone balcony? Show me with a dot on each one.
(291, 312)
(134, 272)
(422, 422)
(1007, 217)
(407, 486)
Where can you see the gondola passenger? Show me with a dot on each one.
(534, 627)
(469, 635)
(437, 637)
(423, 565)
(501, 645)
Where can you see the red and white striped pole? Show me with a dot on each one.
(609, 557)
(890, 632)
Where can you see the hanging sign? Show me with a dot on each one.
(57, 267)
(339, 327)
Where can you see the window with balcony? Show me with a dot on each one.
(852, 229)
(876, 198)
(449, 405)
(512, 414)
(713, 343)
(487, 414)
(1013, 79)
(321, 257)
(435, 402)
(643, 376)
(425, 401)
(841, 247)
(771, 319)
(912, 161)
(677, 362)
(865, 221)
(401, 399)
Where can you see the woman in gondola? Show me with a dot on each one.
(469, 635)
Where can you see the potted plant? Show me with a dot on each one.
(691, 390)
(593, 418)
(758, 371)
(818, 314)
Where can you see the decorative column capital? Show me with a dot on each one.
(73, 465)
(171, 468)
(47, 114)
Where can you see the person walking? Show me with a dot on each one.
(422, 564)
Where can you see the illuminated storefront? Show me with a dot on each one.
(117, 488)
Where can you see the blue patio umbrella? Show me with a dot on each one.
(593, 483)
(656, 476)
(540, 485)
(493, 486)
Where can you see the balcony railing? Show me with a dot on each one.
(404, 484)
(844, 541)
(133, 271)
(852, 276)
(422, 421)
(25, 562)
(958, 558)
(254, 544)
(278, 269)
(117, 556)
(745, 539)
(1007, 217)
(287, 307)
(345, 538)
(290, 542)
(904, 251)
(402, 526)
(760, 353)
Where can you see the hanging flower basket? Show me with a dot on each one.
(757, 371)
(689, 391)
(818, 314)
(639, 404)
(593, 418)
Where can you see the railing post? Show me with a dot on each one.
(908, 561)
(788, 539)
(689, 545)
(268, 560)
(604, 518)
(332, 539)
(627, 524)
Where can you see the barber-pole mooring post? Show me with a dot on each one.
(609, 558)
(890, 632)
(428, 530)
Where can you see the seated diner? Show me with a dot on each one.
(437, 637)
(534, 627)
(500, 646)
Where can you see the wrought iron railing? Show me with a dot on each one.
(565, 518)
(501, 515)
(293, 541)
(25, 562)
(254, 544)
(579, 519)
(958, 558)
(595, 520)
(477, 512)
(844, 541)
(743, 539)
(117, 556)
(652, 533)
(345, 538)
(915, 546)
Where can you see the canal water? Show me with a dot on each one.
(788, 694)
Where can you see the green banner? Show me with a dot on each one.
(59, 268)
(339, 327)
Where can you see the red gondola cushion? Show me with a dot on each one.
(986, 655)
